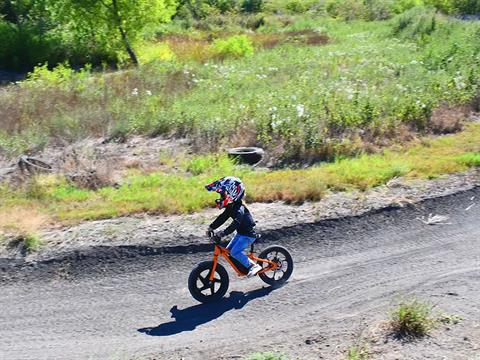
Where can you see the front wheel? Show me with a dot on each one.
(280, 256)
(200, 286)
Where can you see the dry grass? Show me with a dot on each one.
(446, 119)
(22, 220)
(188, 48)
(271, 40)
(86, 171)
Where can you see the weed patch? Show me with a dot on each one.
(266, 356)
(412, 319)
(357, 353)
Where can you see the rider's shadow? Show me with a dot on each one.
(188, 319)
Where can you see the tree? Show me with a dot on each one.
(111, 24)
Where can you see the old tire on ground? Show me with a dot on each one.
(33, 165)
(201, 288)
(246, 155)
(280, 255)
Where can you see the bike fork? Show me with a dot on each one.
(215, 262)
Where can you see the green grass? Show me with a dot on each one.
(470, 159)
(265, 356)
(357, 353)
(32, 242)
(311, 101)
(183, 191)
(412, 319)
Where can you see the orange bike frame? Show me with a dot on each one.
(221, 251)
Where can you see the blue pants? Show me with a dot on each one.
(237, 245)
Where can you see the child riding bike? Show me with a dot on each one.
(232, 191)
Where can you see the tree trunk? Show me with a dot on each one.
(129, 49)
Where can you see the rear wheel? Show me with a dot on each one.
(280, 256)
(200, 286)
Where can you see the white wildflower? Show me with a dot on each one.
(135, 92)
(300, 110)
(459, 83)
(148, 92)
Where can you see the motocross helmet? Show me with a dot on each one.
(231, 189)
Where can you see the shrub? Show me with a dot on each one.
(466, 7)
(200, 9)
(412, 319)
(347, 9)
(154, 52)
(416, 23)
(461, 7)
(401, 6)
(61, 76)
(252, 6)
(445, 6)
(379, 9)
(296, 6)
(235, 46)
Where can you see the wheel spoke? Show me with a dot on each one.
(204, 287)
(203, 280)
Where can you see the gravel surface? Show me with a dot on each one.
(348, 273)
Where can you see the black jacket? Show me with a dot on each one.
(242, 220)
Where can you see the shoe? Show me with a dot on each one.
(254, 269)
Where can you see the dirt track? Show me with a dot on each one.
(348, 273)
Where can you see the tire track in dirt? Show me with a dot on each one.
(345, 279)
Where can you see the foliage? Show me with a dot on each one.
(252, 6)
(31, 242)
(346, 9)
(401, 6)
(26, 45)
(416, 23)
(357, 353)
(117, 23)
(470, 159)
(265, 356)
(304, 101)
(149, 52)
(461, 7)
(297, 6)
(235, 46)
(412, 319)
(87, 31)
(203, 164)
